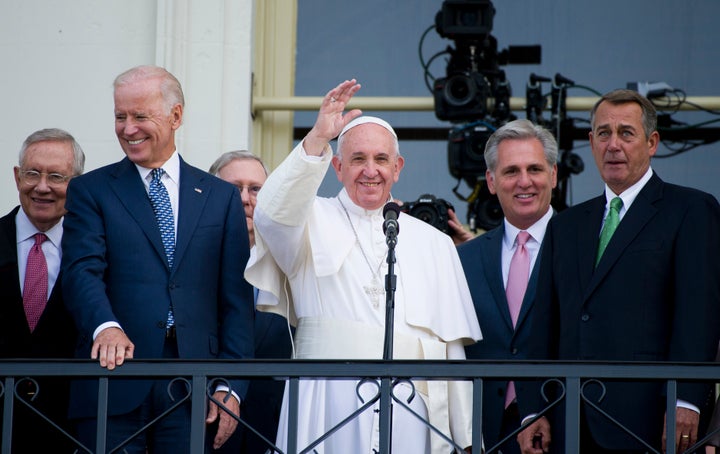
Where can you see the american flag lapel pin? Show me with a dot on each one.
(198, 190)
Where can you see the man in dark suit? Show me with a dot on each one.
(650, 293)
(144, 281)
(261, 408)
(521, 161)
(48, 159)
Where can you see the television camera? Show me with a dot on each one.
(475, 95)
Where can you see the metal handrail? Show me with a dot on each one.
(200, 374)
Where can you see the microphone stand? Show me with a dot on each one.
(386, 383)
(390, 286)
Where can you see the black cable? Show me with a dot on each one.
(427, 70)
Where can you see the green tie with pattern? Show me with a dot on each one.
(611, 222)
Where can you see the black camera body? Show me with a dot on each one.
(465, 18)
(466, 152)
(430, 209)
(473, 78)
(461, 96)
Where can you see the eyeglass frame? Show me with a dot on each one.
(253, 189)
(49, 177)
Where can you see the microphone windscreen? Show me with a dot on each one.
(391, 210)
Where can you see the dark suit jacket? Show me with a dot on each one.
(115, 269)
(655, 296)
(53, 337)
(481, 260)
(261, 407)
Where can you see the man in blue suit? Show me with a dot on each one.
(144, 281)
(649, 293)
(521, 169)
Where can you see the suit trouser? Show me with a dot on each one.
(588, 445)
(510, 422)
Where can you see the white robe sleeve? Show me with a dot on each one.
(284, 205)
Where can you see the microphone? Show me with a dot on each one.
(391, 211)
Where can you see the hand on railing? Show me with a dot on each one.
(112, 347)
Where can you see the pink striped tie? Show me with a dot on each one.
(35, 287)
(515, 291)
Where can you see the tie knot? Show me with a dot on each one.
(522, 238)
(40, 238)
(616, 204)
(157, 174)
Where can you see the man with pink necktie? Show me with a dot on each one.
(501, 266)
(33, 320)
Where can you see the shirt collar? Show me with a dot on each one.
(628, 196)
(171, 168)
(536, 231)
(24, 229)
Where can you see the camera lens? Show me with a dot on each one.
(425, 213)
(460, 90)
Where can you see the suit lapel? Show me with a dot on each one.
(9, 275)
(126, 183)
(194, 193)
(588, 238)
(492, 264)
(640, 213)
(8, 241)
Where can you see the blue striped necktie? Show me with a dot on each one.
(160, 201)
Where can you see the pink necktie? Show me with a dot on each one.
(515, 292)
(36, 282)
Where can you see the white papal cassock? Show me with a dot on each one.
(312, 241)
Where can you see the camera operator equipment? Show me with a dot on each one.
(562, 127)
(430, 209)
(535, 101)
(475, 91)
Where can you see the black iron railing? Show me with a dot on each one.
(570, 377)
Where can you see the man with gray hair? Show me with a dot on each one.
(33, 320)
(152, 264)
(643, 250)
(333, 252)
(501, 266)
(248, 173)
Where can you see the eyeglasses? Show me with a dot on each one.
(252, 190)
(33, 177)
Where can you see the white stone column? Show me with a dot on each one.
(207, 45)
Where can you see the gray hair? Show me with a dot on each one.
(170, 88)
(520, 129)
(55, 135)
(230, 156)
(623, 96)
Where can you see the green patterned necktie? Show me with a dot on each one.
(611, 222)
